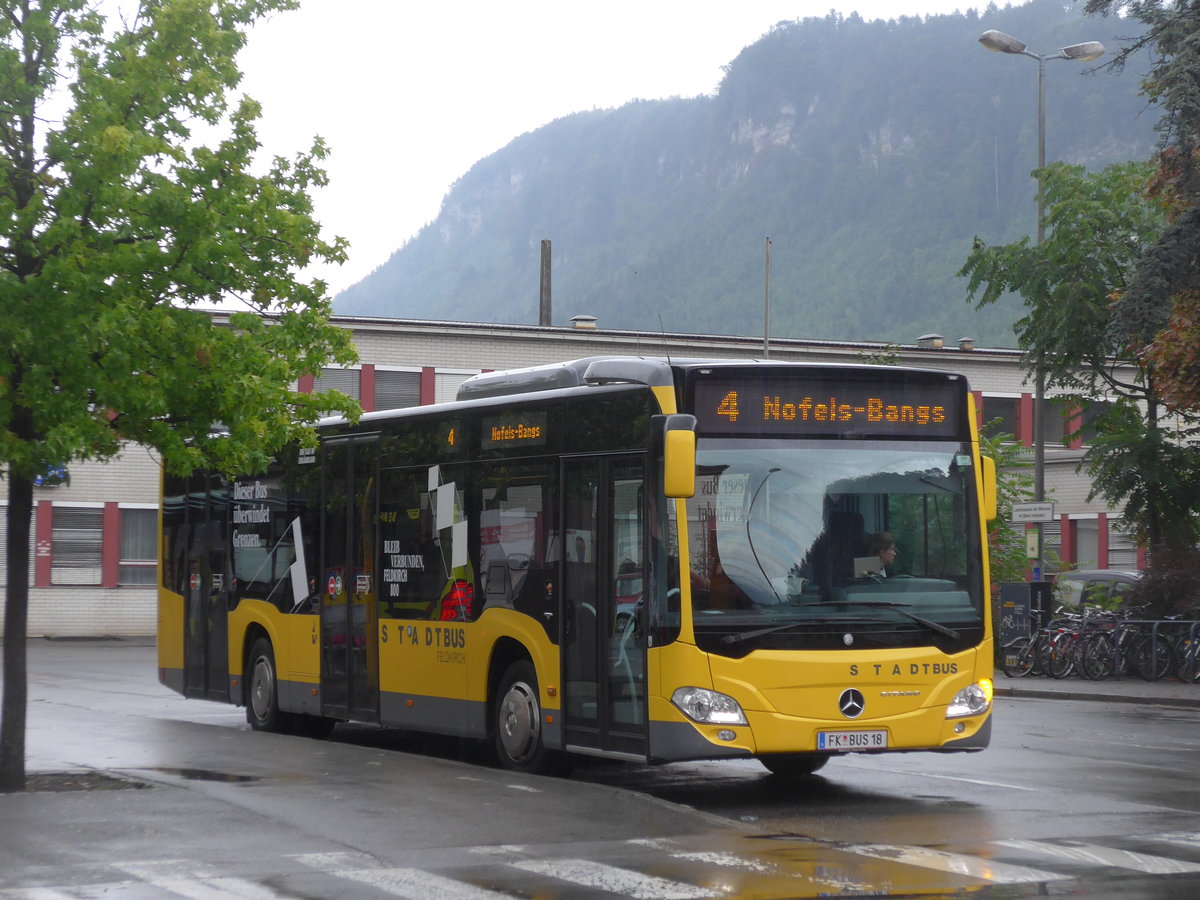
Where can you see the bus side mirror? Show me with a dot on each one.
(989, 488)
(679, 455)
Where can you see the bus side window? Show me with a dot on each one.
(412, 573)
(514, 508)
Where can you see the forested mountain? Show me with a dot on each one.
(871, 153)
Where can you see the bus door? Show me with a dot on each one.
(349, 526)
(206, 589)
(604, 642)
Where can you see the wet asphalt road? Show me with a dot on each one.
(1084, 798)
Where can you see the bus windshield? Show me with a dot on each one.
(834, 543)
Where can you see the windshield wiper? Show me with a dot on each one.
(899, 607)
(873, 604)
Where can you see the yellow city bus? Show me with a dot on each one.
(634, 558)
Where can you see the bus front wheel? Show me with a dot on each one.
(517, 720)
(262, 689)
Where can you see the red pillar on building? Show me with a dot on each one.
(43, 559)
(110, 545)
(305, 384)
(1073, 424)
(1068, 547)
(1025, 420)
(1102, 541)
(366, 387)
(428, 385)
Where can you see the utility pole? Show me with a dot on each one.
(767, 304)
(544, 317)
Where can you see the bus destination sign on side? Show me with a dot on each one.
(527, 429)
(789, 405)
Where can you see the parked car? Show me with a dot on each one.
(1095, 587)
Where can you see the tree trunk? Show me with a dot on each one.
(16, 619)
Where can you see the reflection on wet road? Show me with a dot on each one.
(1088, 799)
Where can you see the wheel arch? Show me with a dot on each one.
(250, 636)
(505, 652)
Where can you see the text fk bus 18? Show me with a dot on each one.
(634, 558)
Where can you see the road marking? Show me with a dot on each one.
(956, 864)
(616, 880)
(725, 860)
(337, 860)
(417, 884)
(714, 858)
(653, 843)
(1075, 851)
(499, 850)
(187, 879)
(1183, 838)
(979, 781)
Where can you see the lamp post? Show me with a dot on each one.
(1085, 52)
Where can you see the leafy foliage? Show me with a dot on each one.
(1014, 485)
(116, 222)
(1159, 309)
(1175, 354)
(113, 225)
(1171, 586)
(1154, 472)
(869, 152)
(1099, 223)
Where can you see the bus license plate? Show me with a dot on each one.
(852, 740)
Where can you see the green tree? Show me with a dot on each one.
(1014, 484)
(114, 223)
(1166, 279)
(1159, 313)
(1098, 227)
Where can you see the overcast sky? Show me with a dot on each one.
(409, 95)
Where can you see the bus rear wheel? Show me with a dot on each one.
(262, 690)
(517, 720)
(794, 765)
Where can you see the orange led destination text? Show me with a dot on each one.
(874, 410)
(502, 433)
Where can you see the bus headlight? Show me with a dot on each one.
(708, 707)
(971, 700)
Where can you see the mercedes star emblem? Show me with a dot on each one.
(851, 703)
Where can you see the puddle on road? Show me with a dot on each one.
(206, 775)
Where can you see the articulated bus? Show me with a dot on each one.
(634, 558)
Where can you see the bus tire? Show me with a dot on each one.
(262, 690)
(794, 765)
(517, 721)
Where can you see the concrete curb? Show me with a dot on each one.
(1146, 696)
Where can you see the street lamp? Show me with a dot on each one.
(1085, 52)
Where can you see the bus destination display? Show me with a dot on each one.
(795, 405)
(527, 430)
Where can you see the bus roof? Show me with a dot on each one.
(648, 370)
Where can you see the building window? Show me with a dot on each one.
(139, 540)
(1002, 411)
(336, 379)
(78, 542)
(1055, 412)
(1092, 410)
(446, 386)
(396, 389)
